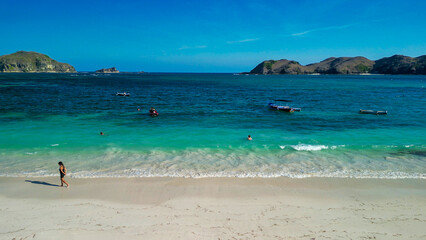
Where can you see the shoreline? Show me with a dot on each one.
(213, 208)
(246, 175)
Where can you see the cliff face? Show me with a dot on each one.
(108, 70)
(421, 65)
(32, 62)
(397, 64)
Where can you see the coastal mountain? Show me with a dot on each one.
(342, 65)
(108, 70)
(23, 61)
(282, 66)
(397, 64)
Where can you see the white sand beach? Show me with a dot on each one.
(212, 208)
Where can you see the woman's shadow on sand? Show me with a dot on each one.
(42, 183)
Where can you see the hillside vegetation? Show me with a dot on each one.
(397, 64)
(23, 61)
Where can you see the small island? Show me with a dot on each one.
(28, 62)
(108, 70)
(397, 64)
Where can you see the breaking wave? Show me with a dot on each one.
(294, 161)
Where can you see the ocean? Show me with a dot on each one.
(203, 124)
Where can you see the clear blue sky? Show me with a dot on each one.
(210, 36)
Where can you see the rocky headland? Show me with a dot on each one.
(396, 64)
(399, 64)
(108, 70)
(23, 61)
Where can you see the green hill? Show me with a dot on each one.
(23, 61)
(397, 64)
(342, 65)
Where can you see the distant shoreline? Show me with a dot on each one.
(395, 65)
(33, 62)
(227, 73)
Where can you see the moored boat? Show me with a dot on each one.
(275, 106)
(123, 94)
(373, 112)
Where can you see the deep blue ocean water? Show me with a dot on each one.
(204, 122)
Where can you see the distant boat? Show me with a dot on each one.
(123, 94)
(373, 112)
(277, 107)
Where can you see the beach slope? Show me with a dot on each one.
(212, 208)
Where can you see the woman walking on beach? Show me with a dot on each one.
(63, 172)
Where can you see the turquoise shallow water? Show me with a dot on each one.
(203, 124)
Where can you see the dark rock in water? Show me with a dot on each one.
(420, 153)
(108, 70)
(23, 61)
(397, 64)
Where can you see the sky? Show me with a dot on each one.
(210, 36)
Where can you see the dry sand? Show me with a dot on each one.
(212, 208)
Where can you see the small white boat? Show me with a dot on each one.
(123, 94)
(373, 112)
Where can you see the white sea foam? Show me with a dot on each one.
(294, 161)
(54, 145)
(307, 147)
(135, 173)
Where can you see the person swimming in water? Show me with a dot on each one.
(249, 138)
(63, 172)
(153, 112)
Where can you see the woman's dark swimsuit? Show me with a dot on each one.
(62, 174)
